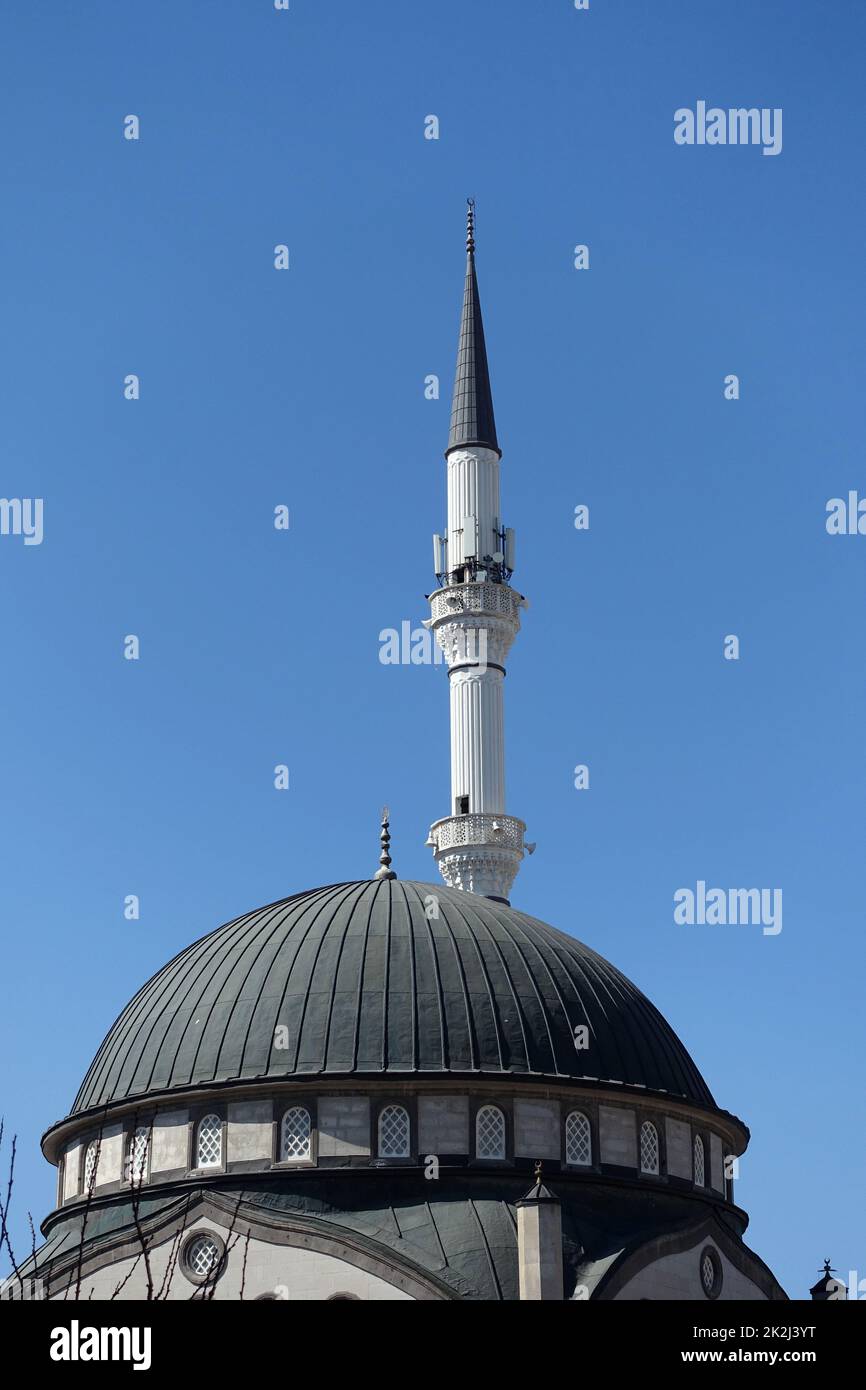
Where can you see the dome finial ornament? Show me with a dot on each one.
(385, 870)
(470, 226)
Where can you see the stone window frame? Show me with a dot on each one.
(578, 1108)
(130, 1124)
(196, 1115)
(709, 1252)
(477, 1103)
(92, 1137)
(188, 1272)
(377, 1105)
(657, 1121)
(282, 1104)
(698, 1137)
(709, 1185)
(589, 1108)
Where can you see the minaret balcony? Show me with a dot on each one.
(477, 828)
(477, 600)
(475, 623)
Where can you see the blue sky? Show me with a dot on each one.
(306, 388)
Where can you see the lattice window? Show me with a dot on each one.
(209, 1151)
(394, 1132)
(699, 1161)
(136, 1154)
(578, 1140)
(649, 1148)
(203, 1255)
(295, 1135)
(489, 1132)
(711, 1273)
(90, 1156)
(708, 1272)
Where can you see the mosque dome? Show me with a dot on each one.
(387, 976)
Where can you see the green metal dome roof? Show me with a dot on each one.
(367, 983)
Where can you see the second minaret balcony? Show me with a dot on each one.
(475, 623)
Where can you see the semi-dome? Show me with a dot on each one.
(386, 977)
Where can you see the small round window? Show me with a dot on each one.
(710, 1272)
(203, 1255)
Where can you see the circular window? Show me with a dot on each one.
(711, 1272)
(202, 1257)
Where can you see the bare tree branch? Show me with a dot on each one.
(5, 1208)
(173, 1254)
(136, 1181)
(126, 1278)
(244, 1266)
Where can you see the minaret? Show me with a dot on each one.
(475, 616)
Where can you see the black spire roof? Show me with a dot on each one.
(472, 419)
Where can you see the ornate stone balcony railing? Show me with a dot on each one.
(497, 600)
(455, 832)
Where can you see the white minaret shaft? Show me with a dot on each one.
(475, 616)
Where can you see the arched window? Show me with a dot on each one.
(578, 1140)
(136, 1154)
(649, 1148)
(490, 1132)
(209, 1148)
(699, 1161)
(91, 1154)
(295, 1135)
(393, 1132)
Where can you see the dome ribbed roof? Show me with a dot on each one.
(367, 983)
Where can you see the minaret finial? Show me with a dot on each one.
(385, 870)
(470, 226)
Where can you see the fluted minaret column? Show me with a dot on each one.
(475, 617)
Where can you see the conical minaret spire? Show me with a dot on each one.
(472, 419)
(475, 617)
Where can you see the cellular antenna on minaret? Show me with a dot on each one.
(475, 617)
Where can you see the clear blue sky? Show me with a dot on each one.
(306, 388)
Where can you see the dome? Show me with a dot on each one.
(386, 977)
